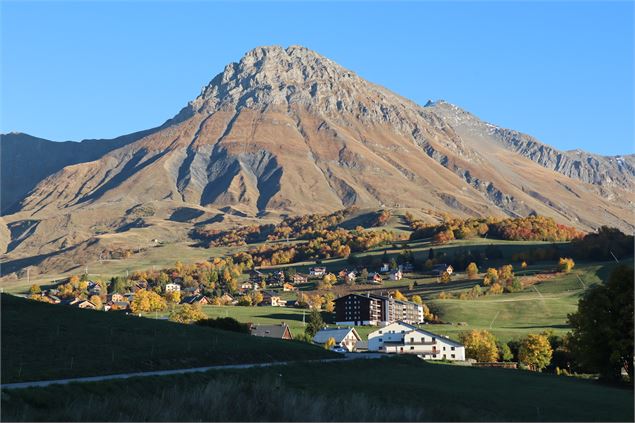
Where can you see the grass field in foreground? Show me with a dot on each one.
(44, 341)
(390, 389)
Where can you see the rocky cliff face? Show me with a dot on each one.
(287, 131)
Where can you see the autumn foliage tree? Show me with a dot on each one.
(566, 264)
(535, 351)
(146, 301)
(490, 277)
(480, 345)
(187, 314)
(472, 270)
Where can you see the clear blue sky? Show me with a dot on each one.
(561, 71)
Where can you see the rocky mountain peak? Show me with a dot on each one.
(272, 75)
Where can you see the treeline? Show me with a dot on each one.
(322, 244)
(290, 227)
(532, 228)
(605, 244)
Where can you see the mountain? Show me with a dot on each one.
(288, 131)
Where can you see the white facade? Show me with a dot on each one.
(172, 287)
(317, 271)
(402, 338)
(346, 338)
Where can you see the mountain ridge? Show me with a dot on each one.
(288, 131)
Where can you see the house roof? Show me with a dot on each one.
(270, 331)
(438, 337)
(336, 333)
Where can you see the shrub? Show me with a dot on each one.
(566, 264)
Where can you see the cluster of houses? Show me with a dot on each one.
(395, 338)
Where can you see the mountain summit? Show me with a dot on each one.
(288, 131)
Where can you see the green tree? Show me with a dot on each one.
(314, 324)
(480, 345)
(535, 351)
(602, 328)
(504, 352)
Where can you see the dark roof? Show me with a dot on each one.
(192, 299)
(270, 331)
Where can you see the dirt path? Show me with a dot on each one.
(44, 383)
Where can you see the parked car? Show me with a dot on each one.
(339, 349)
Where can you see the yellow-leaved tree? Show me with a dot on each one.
(480, 345)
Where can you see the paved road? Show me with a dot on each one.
(43, 383)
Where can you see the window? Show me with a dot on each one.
(452, 348)
(434, 356)
(380, 332)
(412, 340)
(443, 348)
(434, 339)
(380, 340)
(452, 355)
(412, 348)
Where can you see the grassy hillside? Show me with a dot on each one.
(44, 341)
(391, 389)
(543, 306)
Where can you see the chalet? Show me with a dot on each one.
(385, 268)
(344, 337)
(276, 277)
(280, 331)
(402, 338)
(291, 303)
(396, 275)
(317, 271)
(139, 285)
(86, 304)
(247, 286)
(273, 299)
(256, 276)
(348, 276)
(191, 290)
(196, 299)
(299, 278)
(94, 288)
(70, 301)
(129, 297)
(116, 298)
(118, 305)
(172, 287)
(53, 299)
(287, 287)
(374, 278)
(227, 299)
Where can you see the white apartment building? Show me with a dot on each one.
(403, 338)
